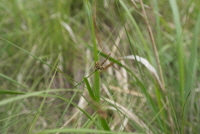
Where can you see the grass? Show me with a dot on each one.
(49, 84)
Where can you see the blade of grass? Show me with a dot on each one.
(104, 124)
(6, 101)
(15, 82)
(158, 23)
(179, 46)
(92, 95)
(82, 130)
(30, 131)
(153, 45)
(136, 27)
(96, 84)
(25, 51)
(11, 92)
(82, 110)
(96, 58)
(66, 109)
(191, 72)
(60, 71)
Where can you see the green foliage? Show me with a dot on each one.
(49, 50)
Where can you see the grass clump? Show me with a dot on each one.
(107, 66)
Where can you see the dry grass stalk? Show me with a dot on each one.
(153, 44)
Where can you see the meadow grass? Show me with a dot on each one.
(149, 83)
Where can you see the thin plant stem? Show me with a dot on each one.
(158, 61)
(153, 45)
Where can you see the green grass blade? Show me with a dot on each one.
(136, 26)
(10, 92)
(15, 82)
(25, 51)
(12, 99)
(104, 124)
(42, 61)
(32, 125)
(192, 65)
(96, 84)
(82, 130)
(179, 48)
(91, 93)
(82, 110)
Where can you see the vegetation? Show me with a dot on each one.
(99, 66)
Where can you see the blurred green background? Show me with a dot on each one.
(38, 36)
